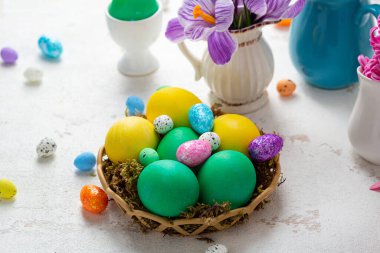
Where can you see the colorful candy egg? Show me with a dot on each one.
(193, 153)
(148, 156)
(93, 199)
(235, 132)
(211, 138)
(167, 188)
(33, 75)
(201, 118)
(227, 176)
(8, 55)
(127, 137)
(163, 124)
(85, 161)
(46, 147)
(286, 88)
(50, 48)
(135, 105)
(217, 248)
(172, 101)
(7, 189)
(167, 149)
(265, 147)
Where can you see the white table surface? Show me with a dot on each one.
(324, 205)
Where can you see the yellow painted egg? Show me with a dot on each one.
(235, 132)
(128, 136)
(7, 189)
(174, 102)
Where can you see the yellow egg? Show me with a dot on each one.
(174, 102)
(128, 136)
(7, 189)
(235, 132)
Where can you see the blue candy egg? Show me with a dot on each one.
(135, 105)
(85, 161)
(201, 118)
(50, 48)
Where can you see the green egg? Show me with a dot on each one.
(132, 10)
(148, 156)
(167, 188)
(7, 189)
(227, 176)
(168, 146)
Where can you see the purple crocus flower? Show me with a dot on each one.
(274, 9)
(206, 20)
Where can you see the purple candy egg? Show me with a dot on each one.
(8, 55)
(194, 153)
(265, 147)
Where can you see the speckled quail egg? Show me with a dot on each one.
(163, 124)
(211, 138)
(46, 147)
(217, 248)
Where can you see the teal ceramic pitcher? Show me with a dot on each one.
(326, 39)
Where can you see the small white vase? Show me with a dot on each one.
(364, 126)
(240, 85)
(136, 37)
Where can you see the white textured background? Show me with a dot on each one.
(324, 206)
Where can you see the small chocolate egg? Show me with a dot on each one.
(286, 88)
(85, 161)
(33, 75)
(265, 147)
(50, 48)
(201, 118)
(211, 138)
(148, 156)
(194, 153)
(8, 55)
(93, 199)
(163, 124)
(7, 189)
(217, 248)
(46, 147)
(167, 148)
(135, 106)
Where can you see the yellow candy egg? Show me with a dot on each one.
(7, 189)
(174, 102)
(128, 136)
(235, 132)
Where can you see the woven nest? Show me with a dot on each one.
(203, 218)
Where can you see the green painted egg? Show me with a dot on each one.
(132, 10)
(148, 156)
(167, 188)
(168, 146)
(227, 176)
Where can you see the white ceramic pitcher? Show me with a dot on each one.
(364, 127)
(240, 85)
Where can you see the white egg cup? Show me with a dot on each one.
(136, 37)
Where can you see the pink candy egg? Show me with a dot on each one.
(194, 153)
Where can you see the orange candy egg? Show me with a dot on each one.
(285, 22)
(93, 199)
(286, 88)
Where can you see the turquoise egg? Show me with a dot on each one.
(201, 118)
(50, 48)
(148, 156)
(85, 161)
(167, 188)
(227, 176)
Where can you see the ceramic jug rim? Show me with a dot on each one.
(158, 12)
(252, 27)
(366, 79)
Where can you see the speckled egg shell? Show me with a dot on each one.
(194, 153)
(46, 147)
(265, 147)
(211, 138)
(201, 118)
(163, 124)
(217, 248)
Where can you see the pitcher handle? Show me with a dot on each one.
(374, 9)
(192, 59)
